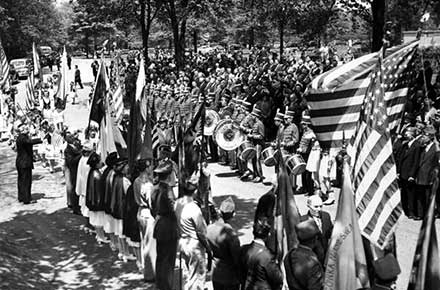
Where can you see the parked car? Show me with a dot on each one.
(21, 66)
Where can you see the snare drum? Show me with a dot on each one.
(295, 164)
(268, 156)
(247, 151)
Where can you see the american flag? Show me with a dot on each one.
(118, 104)
(377, 194)
(334, 98)
(30, 97)
(4, 66)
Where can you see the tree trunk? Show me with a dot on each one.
(195, 40)
(144, 31)
(177, 35)
(251, 37)
(281, 31)
(378, 12)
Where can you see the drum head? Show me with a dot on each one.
(268, 157)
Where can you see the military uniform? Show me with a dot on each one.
(246, 126)
(257, 137)
(165, 229)
(290, 138)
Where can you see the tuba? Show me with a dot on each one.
(227, 135)
(211, 120)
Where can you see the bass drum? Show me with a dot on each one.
(295, 164)
(268, 156)
(227, 135)
(247, 151)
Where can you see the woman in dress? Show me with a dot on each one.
(142, 188)
(93, 195)
(120, 186)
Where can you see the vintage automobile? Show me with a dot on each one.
(21, 66)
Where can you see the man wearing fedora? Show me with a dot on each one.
(25, 163)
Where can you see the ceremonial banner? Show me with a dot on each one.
(118, 104)
(375, 183)
(4, 66)
(425, 274)
(36, 61)
(97, 109)
(335, 98)
(30, 97)
(139, 129)
(346, 266)
(63, 83)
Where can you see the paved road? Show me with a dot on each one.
(59, 254)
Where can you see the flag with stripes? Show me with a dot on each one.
(30, 97)
(377, 194)
(4, 66)
(118, 104)
(334, 98)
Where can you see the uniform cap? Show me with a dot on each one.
(306, 230)
(165, 148)
(256, 111)
(387, 267)
(227, 206)
(306, 119)
(163, 168)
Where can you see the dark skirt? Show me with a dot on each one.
(131, 225)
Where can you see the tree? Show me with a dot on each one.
(23, 22)
(148, 12)
(177, 13)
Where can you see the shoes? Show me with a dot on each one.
(257, 179)
(223, 163)
(417, 218)
(245, 175)
(29, 202)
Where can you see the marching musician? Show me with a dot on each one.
(246, 126)
(237, 116)
(164, 134)
(257, 138)
(304, 148)
(290, 134)
(225, 112)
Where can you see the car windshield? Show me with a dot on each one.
(18, 63)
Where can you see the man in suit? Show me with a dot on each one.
(258, 264)
(407, 170)
(225, 246)
(324, 224)
(165, 230)
(25, 163)
(303, 269)
(429, 159)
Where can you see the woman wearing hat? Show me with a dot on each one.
(94, 193)
(121, 184)
(82, 175)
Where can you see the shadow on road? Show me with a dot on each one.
(50, 251)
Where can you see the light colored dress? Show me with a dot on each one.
(81, 184)
(142, 188)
